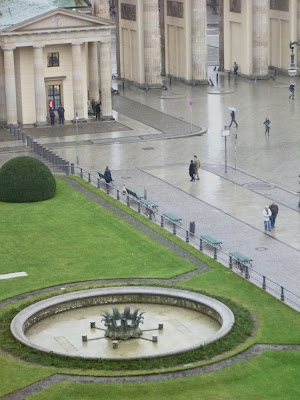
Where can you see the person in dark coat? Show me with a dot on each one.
(98, 111)
(192, 171)
(268, 125)
(274, 210)
(107, 175)
(52, 116)
(233, 119)
(235, 69)
(292, 90)
(61, 114)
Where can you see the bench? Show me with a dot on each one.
(101, 175)
(149, 207)
(212, 241)
(241, 260)
(134, 194)
(172, 217)
(149, 203)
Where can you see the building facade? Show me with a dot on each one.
(257, 34)
(58, 57)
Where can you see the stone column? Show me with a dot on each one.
(93, 72)
(105, 67)
(10, 87)
(162, 37)
(152, 43)
(101, 9)
(39, 85)
(260, 37)
(199, 41)
(2, 88)
(77, 81)
(221, 35)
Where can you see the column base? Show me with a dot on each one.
(37, 124)
(79, 120)
(192, 82)
(107, 118)
(7, 125)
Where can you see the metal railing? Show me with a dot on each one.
(247, 271)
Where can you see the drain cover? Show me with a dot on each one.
(148, 148)
(261, 248)
(125, 177)
(258, 186)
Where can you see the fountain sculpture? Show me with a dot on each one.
(123, 325)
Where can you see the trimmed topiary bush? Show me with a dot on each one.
(26, 179)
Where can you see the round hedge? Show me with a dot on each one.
(26, 179)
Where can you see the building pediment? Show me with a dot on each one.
(58, 19)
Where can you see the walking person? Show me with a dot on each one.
(235, 69)
(266, 215)
(196, 167)
(107, 175)
(274, 211)
(267, 123)
(61, 114)
(192, 171)
(98, 111)
(233, 119)
(52, 116)
(292, 90)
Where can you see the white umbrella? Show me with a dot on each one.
(231, 108)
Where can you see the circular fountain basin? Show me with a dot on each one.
(56, 325)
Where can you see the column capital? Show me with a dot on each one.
(8, 48)
(77, 43)
(38, 45)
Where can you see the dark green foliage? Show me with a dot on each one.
(26, 179)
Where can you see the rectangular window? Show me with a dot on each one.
(54, 95)
(53, 60)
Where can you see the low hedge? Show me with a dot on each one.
(26, 179)
(242, 329)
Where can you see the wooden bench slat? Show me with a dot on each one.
(134, 194)
(240, 257)
(149, 203)
(172, 217)
(211, 240)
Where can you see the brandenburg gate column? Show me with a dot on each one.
(105, 68)
(77, 81)
(39, 85)
(10, 87)
(199, 41)
(93, 71)
(2, 88)
(260, 37)
(152, 51)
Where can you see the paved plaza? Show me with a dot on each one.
(154, 136)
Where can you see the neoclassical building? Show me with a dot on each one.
(256, 34)
(162, 37)
(62, 56)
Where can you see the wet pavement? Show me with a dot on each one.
(261, 168)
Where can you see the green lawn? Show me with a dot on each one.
(270, 376)
(70, 238)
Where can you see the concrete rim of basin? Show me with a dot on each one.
(86, 298)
